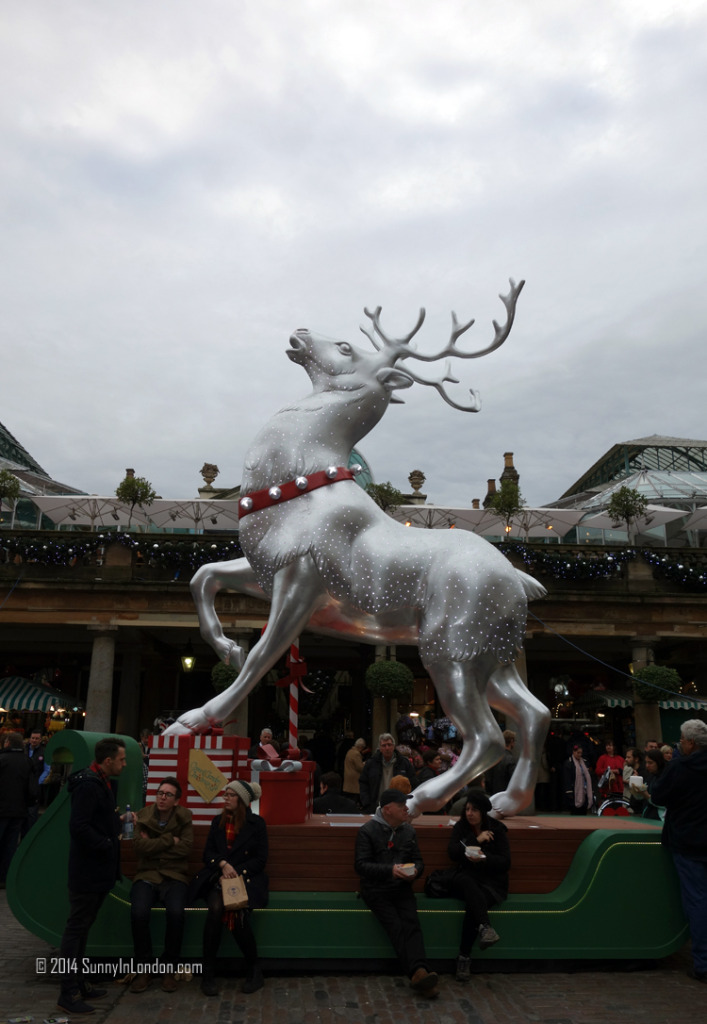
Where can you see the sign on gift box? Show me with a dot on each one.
(202, 765)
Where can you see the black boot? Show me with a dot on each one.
(208, 983)
(254, 980)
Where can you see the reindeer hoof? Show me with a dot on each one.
(189, 724)
(505, 805)
(235, 656)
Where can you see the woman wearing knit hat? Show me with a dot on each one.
(479, 846)
(237, 844)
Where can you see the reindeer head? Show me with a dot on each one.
(338, 366)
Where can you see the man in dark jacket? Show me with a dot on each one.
(163, 841)
(332, 800)
(17, 792)
(682, 790)
(388, 860)
(40, 767)
(380, 769)
(94, 864)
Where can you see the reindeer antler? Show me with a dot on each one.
(396, 346)
(399, 348)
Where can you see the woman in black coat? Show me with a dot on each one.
(237, 844)
(479, 846)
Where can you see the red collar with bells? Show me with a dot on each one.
(270, 496)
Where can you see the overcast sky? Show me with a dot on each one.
(183, 184)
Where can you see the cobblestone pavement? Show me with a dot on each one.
(662, 995)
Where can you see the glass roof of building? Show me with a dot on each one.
(674, 454)
(679, 490)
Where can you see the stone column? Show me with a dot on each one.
(127, 718)
(645, 715)
(382, 712)
(100, 680)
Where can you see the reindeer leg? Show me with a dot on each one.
(461, 688)
(508, 693)
(205, 584)
(297, 592)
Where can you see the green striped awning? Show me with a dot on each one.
(684, 704)
(18, 694)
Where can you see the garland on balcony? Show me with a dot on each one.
(689, 571)
(182, 555)
(161, 552)
(570, 566)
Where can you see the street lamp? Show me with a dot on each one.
(188, 660)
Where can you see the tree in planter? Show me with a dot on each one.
(507, 502)
(386, 496)
(389, 680)
(652, 684)
(9, 488)
(135, 490)
(627, 505)
(655, 683)
(222, 676)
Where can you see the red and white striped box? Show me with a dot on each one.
(169, 755)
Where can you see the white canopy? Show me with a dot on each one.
(655, 515)
(529, 522)
(196, 514)
(89, 510)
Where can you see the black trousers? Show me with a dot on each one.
(476, 902)
(143, 897)
(397, 912)
(241, 931)
(83, 911)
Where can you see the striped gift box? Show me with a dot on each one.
(169, 755)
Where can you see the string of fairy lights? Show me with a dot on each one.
(688, 571)
(163, 552)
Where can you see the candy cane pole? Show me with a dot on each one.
(294, 704)
(297, 670)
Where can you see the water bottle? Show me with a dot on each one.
(128, 823)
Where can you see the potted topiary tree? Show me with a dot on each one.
(651, 684)
(388, 681)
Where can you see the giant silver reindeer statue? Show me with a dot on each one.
(331, 561)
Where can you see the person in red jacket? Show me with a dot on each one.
(609, 772)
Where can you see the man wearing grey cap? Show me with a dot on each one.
(388, 860)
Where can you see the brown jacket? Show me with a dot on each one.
(353, 766)
(158, 856)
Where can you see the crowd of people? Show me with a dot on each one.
(659, 782)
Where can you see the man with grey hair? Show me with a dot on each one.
(379, 769)
(682, 790)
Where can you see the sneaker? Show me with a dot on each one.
(169, 983)
(697, 975)
(463, 969)
(423, 980)
(73, 1003)
(141, 984)
(89, 991)
(208, 985)
(487, 936)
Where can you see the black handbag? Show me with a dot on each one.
(200, 884)
(438, 884)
